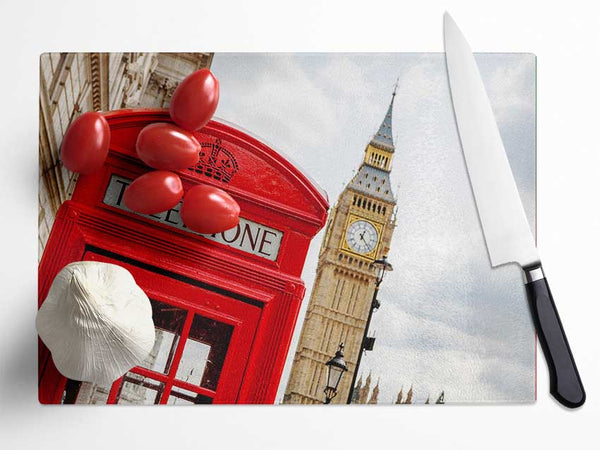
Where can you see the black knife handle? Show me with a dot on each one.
(565, 383)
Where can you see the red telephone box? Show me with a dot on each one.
(224, 305)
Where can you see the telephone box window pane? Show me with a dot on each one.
(84, 393)
(180, 396)
(193, 362)
(139, 390)
(204, 352)
(168, 321)
(69, 395)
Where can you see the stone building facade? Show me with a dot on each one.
(359, 231)
(74, 83)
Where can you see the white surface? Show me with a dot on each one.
(507, 234)
(566, 39)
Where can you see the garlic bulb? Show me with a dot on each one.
(96, 321)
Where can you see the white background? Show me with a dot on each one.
(566, 38)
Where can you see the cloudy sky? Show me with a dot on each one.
(448, 321)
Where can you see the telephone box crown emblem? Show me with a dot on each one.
(216, 162)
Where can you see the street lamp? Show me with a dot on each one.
(381, 266)
(336, 367)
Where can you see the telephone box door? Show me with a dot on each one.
(203, 341)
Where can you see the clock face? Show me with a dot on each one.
(361, 237)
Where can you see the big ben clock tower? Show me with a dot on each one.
(359, 231)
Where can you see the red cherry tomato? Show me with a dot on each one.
(167, 147)
(85, 144)
(153, 192)
(195, 100)
(207, 210)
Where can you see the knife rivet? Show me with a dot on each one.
(533, 274)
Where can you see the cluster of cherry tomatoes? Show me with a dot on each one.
(167, 148)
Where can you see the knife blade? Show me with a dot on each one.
(503, 221)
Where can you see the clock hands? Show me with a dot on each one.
(362, 237)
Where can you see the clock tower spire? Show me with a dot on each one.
(373, 176)
(358, 232)
(382, 140)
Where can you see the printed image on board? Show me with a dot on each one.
(358, 272)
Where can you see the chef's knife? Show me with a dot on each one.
(505, 227)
